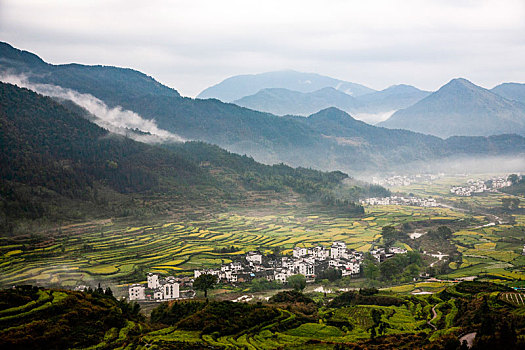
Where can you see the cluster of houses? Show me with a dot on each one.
(480, 186)
(405, 180)
(305, 261)
(381, 254)
(398, 200)
(309, 262)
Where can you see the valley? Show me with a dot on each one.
(122, 250)
(442, 306)
(263, 214)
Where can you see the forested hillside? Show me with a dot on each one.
(54, 161)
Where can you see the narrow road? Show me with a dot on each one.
(434, 313)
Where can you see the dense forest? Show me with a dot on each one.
(54, 160)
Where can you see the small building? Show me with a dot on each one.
(137, 292)
(158, 294)
(338, 250)
(319, 253)
(397, 250)
(299, 252)
(254, 257)
(153, 281)
(170, 288)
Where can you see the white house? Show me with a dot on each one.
(254, 257)
(319, 253)
(170, 288)
(397, 250)
(305, 268)
(158, 294)
(153, 281)
(281, 275)
(137, 292)
(338, 250)
(299, 252)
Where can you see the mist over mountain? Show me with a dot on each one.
(392, 98)
(329, 140)
(511, 91)
(110, 84)
(281, 101)
(371, 108)
(461, 108)
(53, 161)
(239, 86)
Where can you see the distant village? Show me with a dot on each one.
(405, 180)
(305, 261)
(480, 186)
(398, 200)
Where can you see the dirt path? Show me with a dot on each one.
(434, 313)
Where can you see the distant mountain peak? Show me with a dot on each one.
(461, 82)
(239, 86)
(333, 113)
(461, 107)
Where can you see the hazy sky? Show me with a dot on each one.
(190, 45)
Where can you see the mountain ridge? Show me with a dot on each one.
(461, 108)
(239, 86)
(270, 139)
(281, 101)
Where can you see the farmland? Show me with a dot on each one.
(117, 252)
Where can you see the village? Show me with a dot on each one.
(399, 200)
(480, 186)
(406, 180)
(308, 262)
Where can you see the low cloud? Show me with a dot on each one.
(373, 118)
(117, 120)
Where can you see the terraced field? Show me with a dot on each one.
(494, 252)
(114, 252)
(517, 299)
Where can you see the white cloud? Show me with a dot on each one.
(190, 45)
(116, 120)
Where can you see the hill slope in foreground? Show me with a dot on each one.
(366, 319)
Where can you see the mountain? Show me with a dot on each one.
(283, 101)
(368, 107)
(511, 91)
(392, 98)
(55, 163)
(265, 137)
(239, 86)
(461, 108)
(110, 84)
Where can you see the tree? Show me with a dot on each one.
(297, 282)
(444, 232)
(510, 203)
(205, 282)
(369, 267)
(389, 236)
(513, 178)
(330, 274)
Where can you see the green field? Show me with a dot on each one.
(117, 252)
(112, 251)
